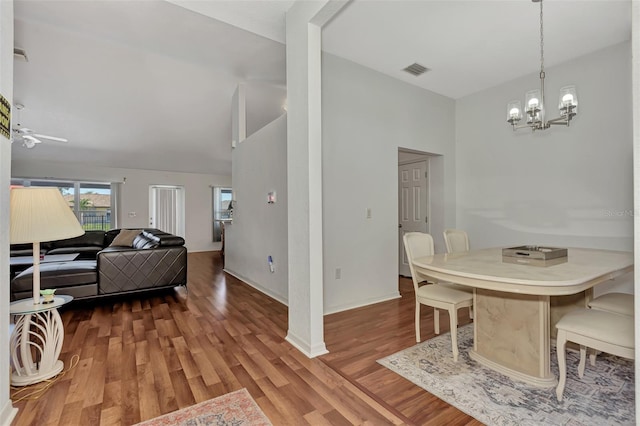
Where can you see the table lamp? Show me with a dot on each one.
(37, 215)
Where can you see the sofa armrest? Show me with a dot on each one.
(124, 269)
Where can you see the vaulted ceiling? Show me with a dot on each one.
(148, 84)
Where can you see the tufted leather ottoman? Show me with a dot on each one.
(76, 278)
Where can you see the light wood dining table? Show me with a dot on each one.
(516, 305)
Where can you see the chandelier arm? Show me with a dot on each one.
(533, 126)
(560, 121)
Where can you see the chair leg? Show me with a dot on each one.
(592, 357)
(418, 322)
(453, 321)
(583, 360)
(561, 341)
(436, 320)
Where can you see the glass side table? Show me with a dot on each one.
(36, 340)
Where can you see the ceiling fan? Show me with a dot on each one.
(27, 137)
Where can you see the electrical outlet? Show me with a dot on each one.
(338, 273)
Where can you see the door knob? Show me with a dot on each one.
(399, 225)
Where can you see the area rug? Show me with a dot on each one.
(604, 396)
(232, 409)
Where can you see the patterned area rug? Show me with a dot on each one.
(233, 409)
(604, 396)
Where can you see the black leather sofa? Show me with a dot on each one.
(154, 260)
(87, 245)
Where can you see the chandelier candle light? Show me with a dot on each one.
(534, 100)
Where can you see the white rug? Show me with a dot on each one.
(604, 396)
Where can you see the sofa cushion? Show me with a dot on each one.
(89, 238)
(26, 249)
(85, 252)
(163, 239)
(144, 241)
(125, 237)
(57, 274)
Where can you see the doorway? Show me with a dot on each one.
(413, 201)
(166, 209)
(221, 210)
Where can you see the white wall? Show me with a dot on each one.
(569, 187)
(259, 230)
(7, 412)
(367, 116)
(135, 193)
(264, 103)
(635, 46)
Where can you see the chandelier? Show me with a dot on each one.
(534, 100)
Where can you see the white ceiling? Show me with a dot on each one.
(148, 84)
(135, 84)
(476, 44)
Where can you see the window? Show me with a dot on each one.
(91, 202)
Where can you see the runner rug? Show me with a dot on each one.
(604, 396)
(236, 408)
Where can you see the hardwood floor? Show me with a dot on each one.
(142, 357)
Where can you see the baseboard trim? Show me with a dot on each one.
(333, 310)
(347, 307)
(309, 351)
(257, 286)
(8, 413)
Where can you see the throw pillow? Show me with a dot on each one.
(125, 237)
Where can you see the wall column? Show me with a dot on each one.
(304, 172)
(7, 411)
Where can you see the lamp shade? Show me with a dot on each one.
(41, 214)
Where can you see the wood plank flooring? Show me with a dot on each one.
(141, 357)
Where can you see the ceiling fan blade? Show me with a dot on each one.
(53, 138)
(22, 130)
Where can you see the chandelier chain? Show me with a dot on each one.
(541, 41)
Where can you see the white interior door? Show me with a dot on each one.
(166, 208)
(413, 202)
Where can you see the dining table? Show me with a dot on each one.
(516, 304)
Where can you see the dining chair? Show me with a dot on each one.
(617, 303)
(418, 244)
(456, 240)
(600, 330)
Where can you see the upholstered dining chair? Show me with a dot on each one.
(418, 244)
(456, 240)
(600, 330)
(617, 303)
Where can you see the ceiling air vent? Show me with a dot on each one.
(20, 54)
(416, 69)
